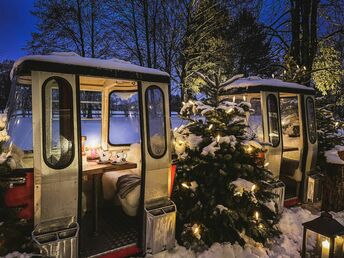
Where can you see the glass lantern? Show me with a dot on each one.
(323, 237)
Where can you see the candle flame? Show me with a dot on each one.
(325, 244)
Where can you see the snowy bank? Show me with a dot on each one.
(288, 245)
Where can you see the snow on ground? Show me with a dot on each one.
(288, 245)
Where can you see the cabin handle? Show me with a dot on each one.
(265, 143)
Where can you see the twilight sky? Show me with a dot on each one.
(16, 24)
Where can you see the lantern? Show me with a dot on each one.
(328, 235)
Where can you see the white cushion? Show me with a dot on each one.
(130, 203)
(109, 181)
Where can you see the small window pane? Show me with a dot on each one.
(156, 122)
(58, 130)
(273, 122)
(311, 120)
(91, 116)
(255, 120)
(124, 119)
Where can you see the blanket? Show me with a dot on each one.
(127, 183)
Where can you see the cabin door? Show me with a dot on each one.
(56, 152)
(156, 156)
(311, 144)
(272, 130)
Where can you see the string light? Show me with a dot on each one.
(256, 215)
(253, 188)
(218, 138)
(272, 75)
(230, 110)
(244, 98)
(336, 124)
(266, 164)
(260, 226)
(191, 102)
(210, 126)
(249, 149)
(185, 185)
(233, 98)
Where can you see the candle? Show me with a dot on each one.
(325, 250)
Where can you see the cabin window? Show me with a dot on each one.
(20, 117)
(312, 134)
(273, 122)
(155, 114)
(91, 116)
(58, 129)
(255, 120)
(124, 119)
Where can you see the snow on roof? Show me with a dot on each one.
(71, 58)
(254, 81)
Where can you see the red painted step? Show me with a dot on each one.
(123, 252)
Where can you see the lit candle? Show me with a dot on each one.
(325, 250)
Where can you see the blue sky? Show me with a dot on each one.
(16, 25)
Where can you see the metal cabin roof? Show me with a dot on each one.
(71, 63)
(257, 84)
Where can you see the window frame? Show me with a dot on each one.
(268, 120)
(314, 121)
(66, 82)
(109, 112)
(151, 153)
(261, 113)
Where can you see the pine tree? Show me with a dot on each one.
(206, 45)
(250, 46)
(221, 189)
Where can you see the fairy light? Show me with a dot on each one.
(195, 229)
(273, 76)
(230, 110)
(336, 124)
(253, 188)
(218, 138)
(175, 129)
(233, 98)
(244, 98)
(183, 103)
(191, 102)
(210, 126)
(260, 226)
(256, 215)
(266, 164)
(185, 185)
(249, 149)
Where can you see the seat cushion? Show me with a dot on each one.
(109, 181)
(130, 203)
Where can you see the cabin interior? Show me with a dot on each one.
(110, 127)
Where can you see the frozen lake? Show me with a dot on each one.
(122, 130)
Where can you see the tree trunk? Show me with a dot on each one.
(81, 31)
(145, 15)
(333, 190)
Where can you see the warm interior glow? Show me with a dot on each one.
(325, 244)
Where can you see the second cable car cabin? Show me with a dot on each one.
(284, 122)
(83, 106)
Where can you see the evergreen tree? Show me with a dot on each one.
(222, 189)
(249, 46)
(206, 46)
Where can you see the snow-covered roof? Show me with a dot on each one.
(82, 65)
(255, 83)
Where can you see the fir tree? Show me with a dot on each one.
(221, 189)
(206, 45)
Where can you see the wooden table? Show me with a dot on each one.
(96, 171)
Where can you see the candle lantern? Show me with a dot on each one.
(329, 238)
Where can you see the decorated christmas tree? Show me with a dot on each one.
(222, 188)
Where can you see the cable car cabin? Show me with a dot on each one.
(284, 122)
(96, 168)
